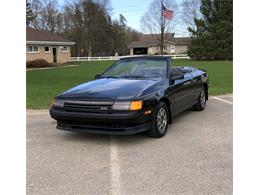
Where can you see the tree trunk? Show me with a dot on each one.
(89, 48)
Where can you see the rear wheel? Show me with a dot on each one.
(201, 104)
(160, 121)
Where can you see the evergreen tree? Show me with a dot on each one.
(213, 33)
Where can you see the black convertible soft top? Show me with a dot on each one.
(148, 57)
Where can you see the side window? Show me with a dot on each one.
(164, 48)
(175, 71)
(35, 49)
(63, 49)
(47, 49)
(29, 49)
(32, 49)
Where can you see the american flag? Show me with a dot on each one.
(168, 14)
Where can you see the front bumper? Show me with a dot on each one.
(102, 123)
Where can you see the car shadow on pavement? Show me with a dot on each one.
(98, 138)
(84, 137)
(182, 115)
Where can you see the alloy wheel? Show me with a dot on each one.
(161, 120)
(202, 99)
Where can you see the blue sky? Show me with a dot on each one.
(133, 10)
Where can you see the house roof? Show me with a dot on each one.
(38, 36)
(147, 40)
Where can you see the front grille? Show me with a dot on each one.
(88, 106)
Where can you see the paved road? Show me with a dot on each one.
(195, 157)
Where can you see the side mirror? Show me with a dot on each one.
(176, 76)
(97, 76)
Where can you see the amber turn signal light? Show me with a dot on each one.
(136, 105)
(147, 112)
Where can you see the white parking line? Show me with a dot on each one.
(115, 169)
(228, 102)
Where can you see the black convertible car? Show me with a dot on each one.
(133, 95)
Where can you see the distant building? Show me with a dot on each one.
(149, 44)
(47, 46)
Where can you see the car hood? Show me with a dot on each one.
(110, 88)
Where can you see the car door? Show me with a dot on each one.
(197, 84)
(180, 92)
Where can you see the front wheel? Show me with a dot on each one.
(201, 104)
(160, 121)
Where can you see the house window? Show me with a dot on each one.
(47, 49)
(164, 48)
(63, 49)
(32, 49)
(172, 48)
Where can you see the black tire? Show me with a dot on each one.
(201, 104)
(159, 125)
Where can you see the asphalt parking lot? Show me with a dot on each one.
(195, 157)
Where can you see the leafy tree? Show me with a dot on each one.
(213, 33)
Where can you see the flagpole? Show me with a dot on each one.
(162, 28)
(165, 14)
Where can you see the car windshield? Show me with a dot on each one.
(137, 68)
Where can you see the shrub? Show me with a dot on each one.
(40, 63)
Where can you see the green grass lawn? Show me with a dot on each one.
(44, 85)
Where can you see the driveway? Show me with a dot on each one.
(195, 157)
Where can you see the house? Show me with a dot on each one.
(149, 44)
(47, 46)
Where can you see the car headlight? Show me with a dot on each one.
(58, 103)
(136, 105)
(128, 105)
(121, 105)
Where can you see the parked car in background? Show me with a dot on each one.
(133, 95)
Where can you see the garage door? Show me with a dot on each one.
(140, 51)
